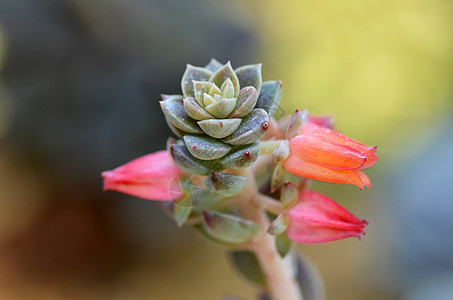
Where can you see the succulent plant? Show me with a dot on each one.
(221, 116)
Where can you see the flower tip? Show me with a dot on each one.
(373, 150)
(107, 174)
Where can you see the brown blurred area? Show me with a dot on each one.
(80, 82)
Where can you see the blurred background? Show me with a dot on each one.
(79, 87)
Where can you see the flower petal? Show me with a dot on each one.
(365, 179)
(326, 153)
(371, 159)
(147, 191)
(329, 206)
(148, 177)
(323, 121)
(312, 235)
(317, 218)
(335, 137)
(304, 168)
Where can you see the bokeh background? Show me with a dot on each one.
(79, 87)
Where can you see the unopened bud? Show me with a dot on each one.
(289, 194)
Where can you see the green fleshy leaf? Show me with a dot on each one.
(227, 89)
(242, 158)
(200, 88)
(248, 266)
(171, 141)
(214, 165)
(208, 99)
(279, 225)
(298, 119)
(283, 244)
(193, 73)
(250, 75)
(222, 108)
(213, 65)
(215, 90)
(194, 110)
(205, 199)
(278, 175)
(219, 128)
(246, 101)
(166, 97)
(225, 184)
(289, 194)
(252, 128)
(175, 113)
(227, 228)
(187, 162)
(182, 209)
(224, 73)
(206, 148)
(281, 152)
(176, 131)
(269, 97)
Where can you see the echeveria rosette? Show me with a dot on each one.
(221, 116)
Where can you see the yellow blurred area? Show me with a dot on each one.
(380, 67)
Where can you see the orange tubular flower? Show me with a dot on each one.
(323, 154)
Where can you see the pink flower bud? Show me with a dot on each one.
(323, 154)
(152, 176)
(318, 219)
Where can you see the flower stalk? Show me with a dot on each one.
(280, 277)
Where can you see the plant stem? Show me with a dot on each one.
(269, 204)
(282, 284)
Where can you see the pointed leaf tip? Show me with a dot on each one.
(269, 97)
(173, 109)
(250, 75)
(224, 73)
(252, 128)
(186, 161)
(213, 65)
(190, 74)
(246, 101)
(243, 157)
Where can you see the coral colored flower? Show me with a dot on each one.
(150, 177)
(318, 219)
(324, 121)
(323, 154)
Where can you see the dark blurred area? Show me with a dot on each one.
(83, 80)
(80, 82)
